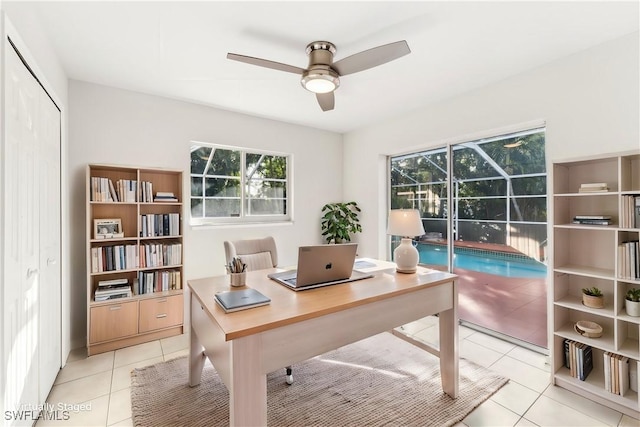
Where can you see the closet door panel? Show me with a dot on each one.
(50, 291)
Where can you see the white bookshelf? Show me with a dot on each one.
(587, 256)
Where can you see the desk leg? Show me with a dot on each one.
(248, 391)
(196, 359)
(449, 365)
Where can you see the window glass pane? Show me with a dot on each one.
(222, 187)
(482, 209)
(222, 208)
(199, 159)
(196, 208)
(529, 186)
(225, 163)
(532, 209)
(265, 166)
(490, 187)
(266, 207)
(196, 186)
(267, 189)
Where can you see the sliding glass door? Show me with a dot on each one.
(490, 229)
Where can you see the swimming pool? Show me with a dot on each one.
(506, 265)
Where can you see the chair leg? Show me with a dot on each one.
(289, 375)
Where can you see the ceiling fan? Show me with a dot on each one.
(322, 76)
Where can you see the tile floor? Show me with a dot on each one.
(102, 383)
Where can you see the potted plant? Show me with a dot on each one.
(339, 221)
(592, 297)
(632, 302)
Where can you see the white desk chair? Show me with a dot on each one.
(257, 254)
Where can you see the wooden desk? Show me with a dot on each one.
(246, 345)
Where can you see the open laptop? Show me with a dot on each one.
(321, 265)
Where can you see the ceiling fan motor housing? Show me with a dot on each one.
(320, 59)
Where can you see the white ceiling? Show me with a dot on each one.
(178, 49)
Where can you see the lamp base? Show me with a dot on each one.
(406, 257)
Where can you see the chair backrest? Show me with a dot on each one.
(257, 254)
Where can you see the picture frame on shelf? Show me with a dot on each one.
(107, 228)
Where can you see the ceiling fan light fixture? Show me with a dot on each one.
(320, 80)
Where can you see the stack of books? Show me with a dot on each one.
(592, 219)
(593, 187)
(578, 358)
(629, 260)
(163, 196)
(616, 373)
(112, 289)
(630, 213)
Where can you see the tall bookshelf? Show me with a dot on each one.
(138, 239)
(586, 256)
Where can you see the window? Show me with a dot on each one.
(235, 185)
(499, 189)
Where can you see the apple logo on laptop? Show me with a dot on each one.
(328, 266)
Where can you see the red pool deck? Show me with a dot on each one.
(516, 307)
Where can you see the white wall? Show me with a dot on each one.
(34, 45)
(590, 102)
(115, 126)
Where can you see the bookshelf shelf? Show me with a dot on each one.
(124, 194)
(590, 255)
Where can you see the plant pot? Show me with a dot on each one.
(592, 301)
(632, 308)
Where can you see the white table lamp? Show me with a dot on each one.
(408, 224)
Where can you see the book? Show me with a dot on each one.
(241, 299)
(594, 217)
(592, 221)
(637, 212)
(112, 282)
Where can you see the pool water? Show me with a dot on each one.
(506, 265)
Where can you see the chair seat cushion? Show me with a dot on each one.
(258, 261)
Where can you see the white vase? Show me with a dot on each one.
(633, 308)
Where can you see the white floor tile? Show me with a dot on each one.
(515, 397)
(583, 405)
(627, 421)
(533, 358)
(548, 412)
(174, 344)
(493, 343)
(119, 406)
(122, 375)
(491, 414)
(136, 353)
(124, 423)
(430, 336)
(481, 355)
(522, 373)
(84, 367)
(94, 413)
(82, 389)
(77, 354)
(413, 328)
(177, 354)
(525, 423)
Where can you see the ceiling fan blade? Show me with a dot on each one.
(266, 63)
(326, 100)
(371, 58)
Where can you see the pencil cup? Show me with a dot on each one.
(238, 279)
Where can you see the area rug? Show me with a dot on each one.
(381, 380)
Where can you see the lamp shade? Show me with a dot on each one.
(405, 222)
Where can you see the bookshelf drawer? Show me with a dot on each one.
(158, 313)
(113, 321)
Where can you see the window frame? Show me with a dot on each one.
(245, 198)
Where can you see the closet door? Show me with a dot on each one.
(21, 231)
(50, 286)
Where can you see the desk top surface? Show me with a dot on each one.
(288, 306)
